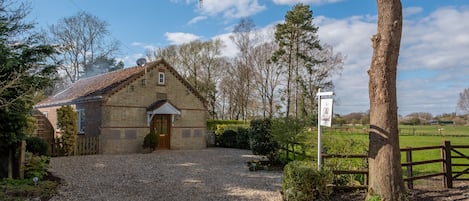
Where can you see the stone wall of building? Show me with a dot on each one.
(125, 119)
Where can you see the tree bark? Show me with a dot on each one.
(385, 173)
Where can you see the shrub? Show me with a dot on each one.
(37, 146)
(36, 166)
(228, 139)
(150, 141)
(334, 145)
(262, 140)
(243, 139)
(302, 181)
(67, 122)
(213, 124)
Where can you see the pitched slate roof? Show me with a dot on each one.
(100, 86)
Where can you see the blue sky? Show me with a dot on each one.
(433, 60)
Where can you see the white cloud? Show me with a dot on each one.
(229, 50)
(293, 2)
(197, 19)
(143, 45)
(350, 37)
(437, 41)
(177, 38)
(136, 44)
(407, 12)
(130, 60)
(432, 64)
(259, 36)
(231, 8)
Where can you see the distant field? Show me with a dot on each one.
(424, 136)
(434, 130)
(443, 130)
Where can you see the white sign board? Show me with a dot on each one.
(326, 112)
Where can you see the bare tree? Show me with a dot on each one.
(463, 102)
(384, 157)
(199, 63)
(267, 77)
(317, 74)
(82, 38)
(243, 38)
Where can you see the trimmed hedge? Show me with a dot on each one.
(212, 124)
(303, 182)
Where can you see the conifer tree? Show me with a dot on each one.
(67, 122)
(23, 73)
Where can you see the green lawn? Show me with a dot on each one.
(424, 136)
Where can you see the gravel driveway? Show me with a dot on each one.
(208, 174)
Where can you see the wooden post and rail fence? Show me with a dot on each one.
(451, 156)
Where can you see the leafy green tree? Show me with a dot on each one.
(67, 122)
(23, 73)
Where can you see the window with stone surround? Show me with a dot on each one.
(161, 78)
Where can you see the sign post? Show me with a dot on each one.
(324, 118)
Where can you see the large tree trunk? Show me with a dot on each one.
(385, 179)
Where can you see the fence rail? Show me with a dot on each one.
(446, 161)
(86, 145)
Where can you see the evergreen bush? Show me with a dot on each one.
(37, 146)
(243, 139)
(36, 166)
(262, 140)
(150, 141)
(302, 181)
(228, 139)
(67, 122)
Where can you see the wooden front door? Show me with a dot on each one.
(162, 126)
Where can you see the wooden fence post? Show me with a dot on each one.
(447, 169)
(408, 156)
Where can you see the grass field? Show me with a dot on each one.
(417, 136)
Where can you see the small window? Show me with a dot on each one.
(81, 121)
(161, 78)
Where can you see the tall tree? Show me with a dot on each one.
(83, 38)
(23, 73)
(463, 102)
(297, 42)
(317, 74)
(243, 38)
(384, 157)
(267, 77)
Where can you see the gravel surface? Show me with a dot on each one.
(208, 174)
